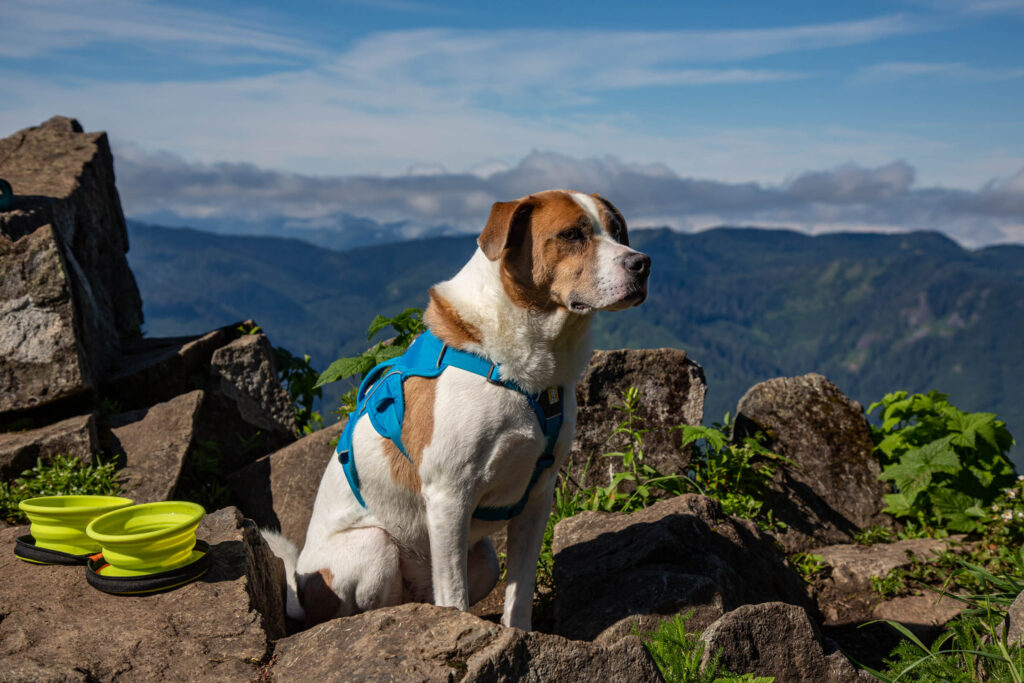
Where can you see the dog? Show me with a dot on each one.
(411, 530)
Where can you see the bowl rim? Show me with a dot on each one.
(38, 505)
(194, 513)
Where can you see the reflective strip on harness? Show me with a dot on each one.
(380, 397)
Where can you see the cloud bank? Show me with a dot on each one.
(847, 197)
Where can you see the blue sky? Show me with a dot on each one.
(820, 116)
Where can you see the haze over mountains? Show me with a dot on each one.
(875, 313)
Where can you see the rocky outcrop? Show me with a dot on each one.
(1015, 621)
(671, 388)
(246, 411)
(154, 443)
(681, 554)
(832, 490)
(278, 490)
(427, 643)
(57, 627)
(779, 640)
(66, 201)
(75, 436)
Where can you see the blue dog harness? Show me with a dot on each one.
(380, 397)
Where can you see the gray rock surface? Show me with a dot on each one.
(74, 436)
(680, 554)
(247, 412)
(917, 611)
(155, 370)
(64, 177)
(154, 443)
(418, 642)
(278, 490)
(833, 489)
(1015, 621)
(56, 626)
(671, 388)
(780, 640)
(853, 565)
(41, 357)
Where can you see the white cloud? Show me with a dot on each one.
(960, 71)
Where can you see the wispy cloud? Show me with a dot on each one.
(960, 71)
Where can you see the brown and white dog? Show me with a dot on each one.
(524, 301)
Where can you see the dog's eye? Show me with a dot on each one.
(572, 235)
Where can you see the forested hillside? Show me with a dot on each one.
(872, 312)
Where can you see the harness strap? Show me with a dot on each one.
(380, 397)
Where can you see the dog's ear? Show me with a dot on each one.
(623, 233)
(505, 227)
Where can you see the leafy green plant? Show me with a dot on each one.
(406, 325)
(948, 466)
(63, 475)
(735, 474)
(678, 654)
(874, 534)
(299, 378)
(810, 566)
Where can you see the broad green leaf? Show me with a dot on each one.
(345, 367)
(952, 507)
(899, 504)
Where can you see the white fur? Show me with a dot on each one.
(425, 545)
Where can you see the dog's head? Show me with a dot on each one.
(565, 249)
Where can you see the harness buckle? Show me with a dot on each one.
(490, 376)
(440, 356)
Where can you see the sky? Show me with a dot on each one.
(812, 115)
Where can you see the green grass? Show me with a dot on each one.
(63, 475)
(678, 654)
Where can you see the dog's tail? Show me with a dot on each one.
(289, 554)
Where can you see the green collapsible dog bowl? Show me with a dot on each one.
(59, 522)
(148, 539)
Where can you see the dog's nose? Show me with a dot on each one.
(635, 262)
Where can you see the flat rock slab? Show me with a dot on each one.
(833, 490)
(418, 642)
(671, 388)
(1015, 621)
(155, 370)
(74, 436)
(928, 611)
(853, 566)
(611, 569)
(779, 640)
(155, 442)
(55, 626)
(278, 490)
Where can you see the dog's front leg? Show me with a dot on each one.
(448, 518)
(525, 535)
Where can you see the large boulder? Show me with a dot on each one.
(779, 640)
(418, 642)
(75, 436)
(671, 392)
(612, 570)
(152, 371)
(247, 412)
(278, 490)
(154, 443)
(55, 626)
(832, 489)
(64, 178)
(1015, 621)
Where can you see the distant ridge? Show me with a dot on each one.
(873, 312)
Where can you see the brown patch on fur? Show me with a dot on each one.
(540, 269)
(446, 323)
(319, 601)
(417, 432)
(616, 218)
(505, 225)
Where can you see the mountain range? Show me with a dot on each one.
(874, 313)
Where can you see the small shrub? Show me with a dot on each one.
(202, 477)
(874, 534)
(810, 566)
(299, 378)
(64, 475)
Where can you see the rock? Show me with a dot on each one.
(74, 436)
(776, 639)
(278, 490)
(215, 629)
(154, 443)
(41, 358)
(1015, 621)
(679, 554)
(64, 178)
(853, 566)
(921, 613)
(247, 412)
(833, 489)
(426, 643)
(671, 389)
(155, 370)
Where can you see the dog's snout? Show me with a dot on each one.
(636, 262)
